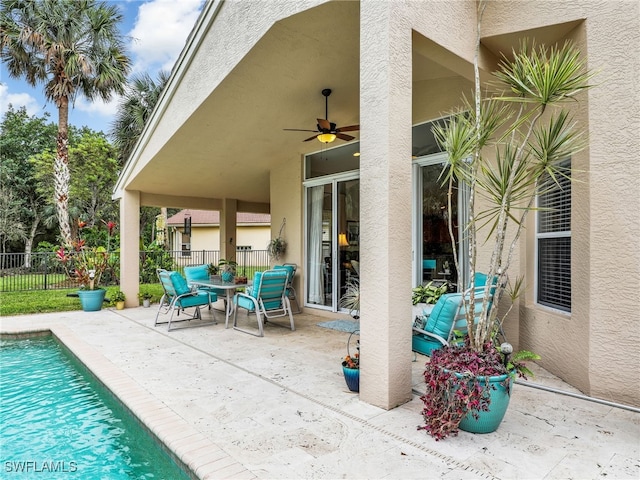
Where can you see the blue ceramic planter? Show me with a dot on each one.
(488, 422)
(227, 277)
(352, 377)
(92, 300)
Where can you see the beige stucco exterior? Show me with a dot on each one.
(251, 233)
(251, 69)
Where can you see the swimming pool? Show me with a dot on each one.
(58, 422)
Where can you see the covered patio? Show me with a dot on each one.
(234, 406)
(252, 69)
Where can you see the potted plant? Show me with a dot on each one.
(351, 298)
(351, 364)
(146, 299)
(86, 265)
(530, 149)
(423, 297)
(118, 298)
(462, 383)
(278, 246)
(227, 269)
(213, 271)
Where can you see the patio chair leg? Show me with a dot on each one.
(288, 307)
(294, 297)
(258, 318)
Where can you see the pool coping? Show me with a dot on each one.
(190, 449)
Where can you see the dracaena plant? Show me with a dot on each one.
(523, 123)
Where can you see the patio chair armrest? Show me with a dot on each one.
(193, 293)
(248, 297)
(431, 335)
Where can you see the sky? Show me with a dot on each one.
(155, 33)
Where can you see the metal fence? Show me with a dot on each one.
(43, 271)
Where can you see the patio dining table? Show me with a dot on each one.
(228, 287)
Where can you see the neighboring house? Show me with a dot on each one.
(216, 141)
(253, 231)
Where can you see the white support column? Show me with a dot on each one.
(130, 246)
(228, 234)
(385, 203)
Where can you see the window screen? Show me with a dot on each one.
(553, 233)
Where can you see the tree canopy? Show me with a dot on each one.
(70, 47)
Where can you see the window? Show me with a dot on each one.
(553, 238)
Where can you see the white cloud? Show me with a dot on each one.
(98, 106)
(17, 100)
(160, 32)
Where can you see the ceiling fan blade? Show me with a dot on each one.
(324, 124)
(350, 128)
(344, 137)
(296, 130)
(310, 138)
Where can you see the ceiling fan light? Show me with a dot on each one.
(326, 137)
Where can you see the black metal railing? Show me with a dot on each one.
(43, 270)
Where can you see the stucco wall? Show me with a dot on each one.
(287, 203)
(591, 346)
(208, 238)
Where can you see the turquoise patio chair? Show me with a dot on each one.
(195, 273)
(178, 297)
(266, 298)
(428, 269)
(439, 328)
(291, 292)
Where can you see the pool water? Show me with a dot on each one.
(56, 421)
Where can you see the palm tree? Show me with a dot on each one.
(71, 47)
(135, 108)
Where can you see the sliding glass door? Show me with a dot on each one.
(332, 240)
(433, 246)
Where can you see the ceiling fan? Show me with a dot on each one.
(326, 131)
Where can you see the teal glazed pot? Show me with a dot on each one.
(488, 422)
(352, 377)
(92, 300)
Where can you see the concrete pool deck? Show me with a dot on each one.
(231, 405)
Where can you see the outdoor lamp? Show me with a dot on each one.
(507, 349)
(326, 137)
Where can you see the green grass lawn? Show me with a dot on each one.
(42, 301)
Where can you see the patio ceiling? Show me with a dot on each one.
(228, 146)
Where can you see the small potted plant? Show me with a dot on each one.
(213, 271)
(351, 298)
(429, 293)
(146, 299)
(278, 246)
(351, 364)
(227, 269)
(424, 297)
(118, 298)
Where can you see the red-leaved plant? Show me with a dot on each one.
(449, 397)
(83, 263)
